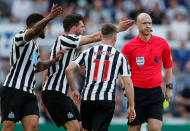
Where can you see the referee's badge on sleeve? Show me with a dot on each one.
(140, 61)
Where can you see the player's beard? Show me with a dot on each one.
(77, 32)
(42, 35)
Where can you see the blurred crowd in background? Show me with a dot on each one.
(172, 14)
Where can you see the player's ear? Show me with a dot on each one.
(115, 37)
(73, 28)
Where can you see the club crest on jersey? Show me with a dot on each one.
(140, 61)
(70, 115)
(11, 115)
(34, 57)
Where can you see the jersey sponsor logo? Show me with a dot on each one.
(70, 115)
(34, 57)
(140, 61)
(11, 115)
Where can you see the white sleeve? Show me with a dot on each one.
(19, 39)
(69, 41)
(124, 67)
(80, 60)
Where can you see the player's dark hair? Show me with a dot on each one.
(108, 29)
(71, 20)
(33, 19)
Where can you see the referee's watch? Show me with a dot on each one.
(170, 86)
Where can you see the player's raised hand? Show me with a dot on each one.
(55, 11)
(122, 19)
(131, 114)
(124, 24)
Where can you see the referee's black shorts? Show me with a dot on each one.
(148, 104)
(60, 107)
(16, 104)
(97, 115)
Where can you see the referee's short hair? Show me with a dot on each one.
(33, 19)
(71, 20)
(108, 31)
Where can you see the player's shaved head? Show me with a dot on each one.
(143, 16)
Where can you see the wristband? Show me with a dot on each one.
(51, 62)
(170, 86)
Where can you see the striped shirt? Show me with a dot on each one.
(102, 63)
(24, 56)
(56, 79)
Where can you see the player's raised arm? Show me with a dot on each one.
(34, 31)
(124, 24)
(95, 37)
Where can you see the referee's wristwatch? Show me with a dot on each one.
(170, 86)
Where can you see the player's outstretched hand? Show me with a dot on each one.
(131, 114)
(60, 54)
(76, 96)
(124, 24)
(55, 11)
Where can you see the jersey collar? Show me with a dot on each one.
(148, 42)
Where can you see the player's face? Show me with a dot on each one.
(80, 28)
(145, 25)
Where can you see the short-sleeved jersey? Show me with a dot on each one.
(56, 79)
(102, 63)
(23, 59)
(146, 60)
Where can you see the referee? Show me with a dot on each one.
(18, 102)
(146, 54)
(102, 63)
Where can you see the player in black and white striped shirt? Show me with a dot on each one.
(18, 102)
(102, 63)
(56, 86)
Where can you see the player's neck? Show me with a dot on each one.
(71, 31)
(105, 42)
(67, 33)
(145, 37)
(35, 38)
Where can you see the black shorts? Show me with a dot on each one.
(148, 104)
(15, 104)
(60, 107)
(97, 115)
